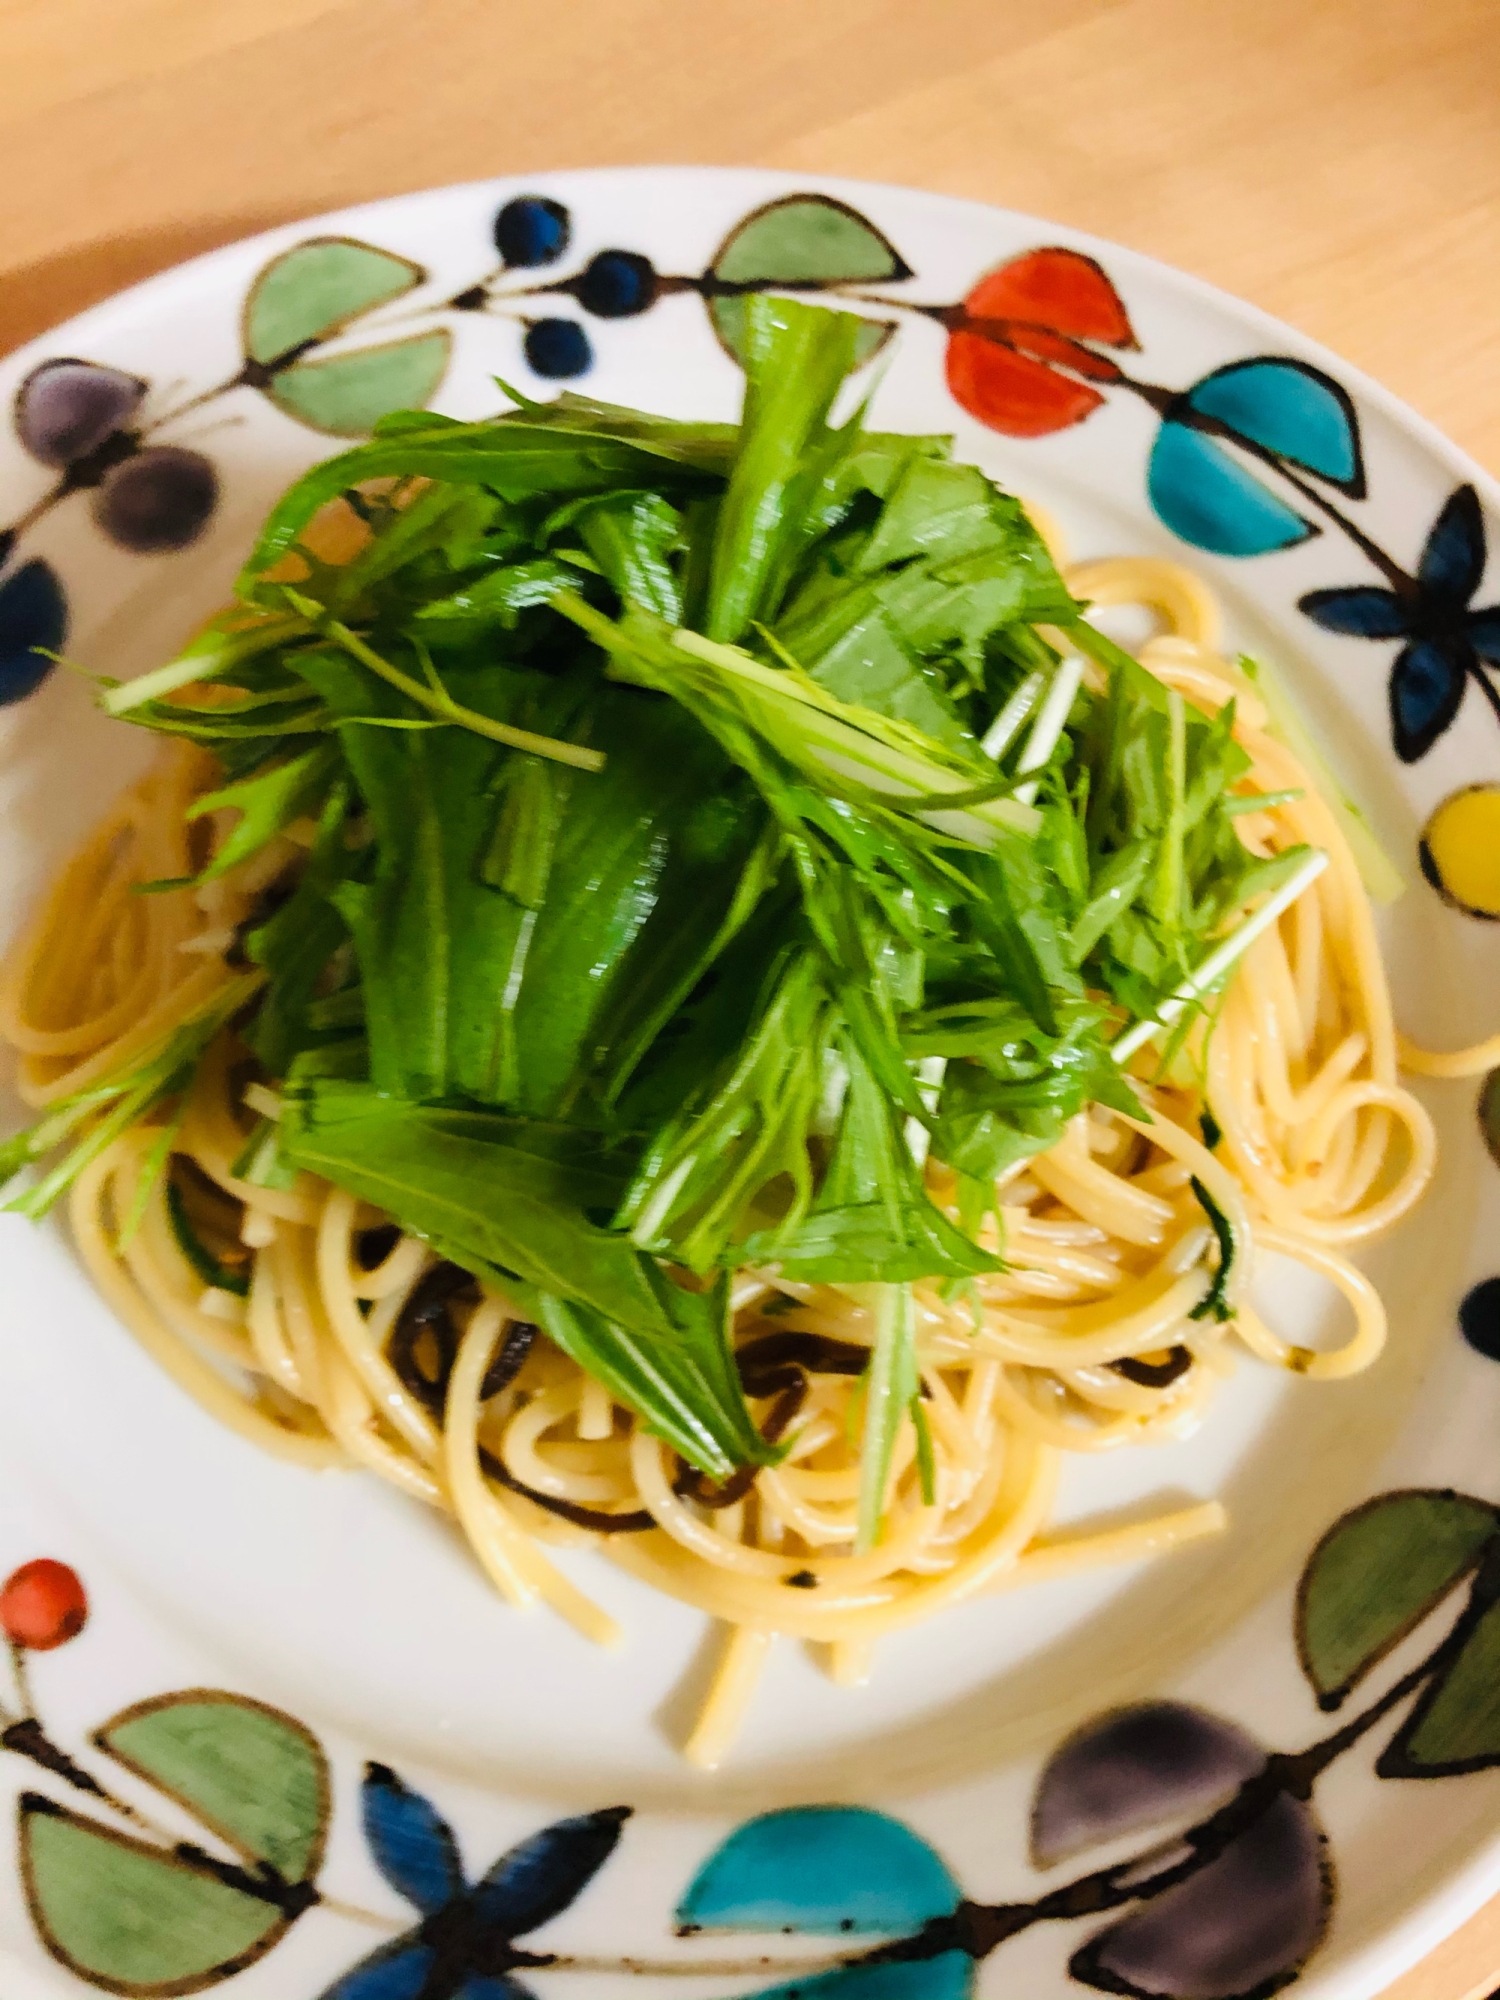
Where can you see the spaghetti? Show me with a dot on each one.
(319, 1330)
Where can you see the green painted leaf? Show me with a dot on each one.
(804, 241)
(1455, 1727)
(316, 288)
(1376, 1574)
(132, 1918)
(252, 1774)
(347, 394)
(807, 239)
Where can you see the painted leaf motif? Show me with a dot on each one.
(395, 1972)
(950, 1977)
(132, 1918)
(1210, 500)
(1242, 1926)
(823, 1870)
(1363, 611)
(1455, 1727)
(1135, 1768)
(401, 1971)
(411, 1843)
(807, 239)
(541, 1876)
(33, 623)
(252, 1774)
(1483, 629)
(1044, 345)
(1426, 693)
(1452, 561)
(1291, 409)
(808, 242)
(318, 287)
(347, 394)
(1012, 393)
(65, 408)
(1376, 1574)
(1055, 288)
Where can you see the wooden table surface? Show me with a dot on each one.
(1336, 161)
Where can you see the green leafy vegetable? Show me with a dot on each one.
(709, 822)
(508, 1199)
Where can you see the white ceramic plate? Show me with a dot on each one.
(1149, 413)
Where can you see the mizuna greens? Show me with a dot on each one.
(684, 845)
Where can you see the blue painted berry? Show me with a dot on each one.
(558, 348)
(616, 284)
(533, 229)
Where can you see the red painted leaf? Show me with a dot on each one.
(1044, 346)
(1011, 393)
(1058, 289)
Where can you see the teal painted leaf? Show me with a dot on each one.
(824, 1870)
(347, 394)
(1376, 1574)
(315, 289)
(950, 1977)
(132, 1918)
(1289, 408)
(804, 242)
(252, 1774)
(1455, 1727)
(1210, 500)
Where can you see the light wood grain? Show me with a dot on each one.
(1337, 161)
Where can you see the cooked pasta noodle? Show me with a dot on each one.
(342, 1341)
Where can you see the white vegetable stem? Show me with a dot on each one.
(831, 728)
(1221, 958)
(895, 1325)
(1048, 726)
(930, 1073)
(998, 738)
(1006, 726)
(205, 659)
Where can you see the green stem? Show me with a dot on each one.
(193, 666)
(437, 701)
(890, 1383)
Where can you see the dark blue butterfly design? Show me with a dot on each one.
(1448, 644)
(464, 1947)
